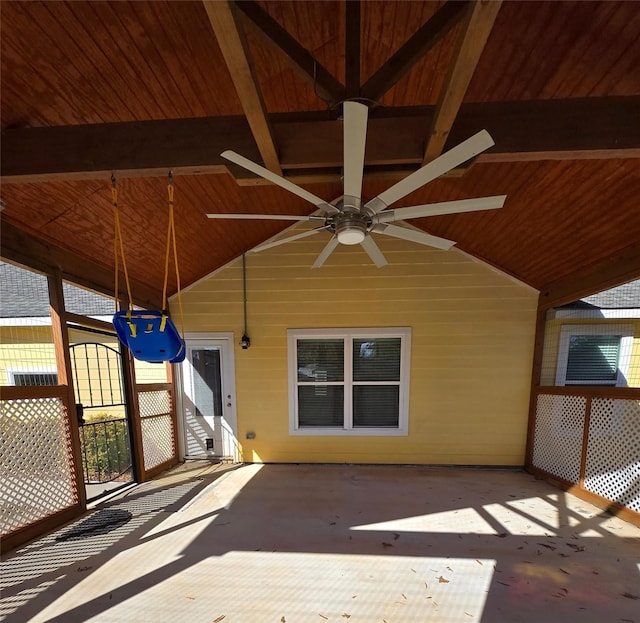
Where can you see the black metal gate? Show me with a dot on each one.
(102, 414)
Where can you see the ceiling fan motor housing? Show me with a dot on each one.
(351, 227)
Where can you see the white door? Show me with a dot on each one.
(208, 399)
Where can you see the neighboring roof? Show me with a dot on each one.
(626, 296)
(24, 294)
(621, 302)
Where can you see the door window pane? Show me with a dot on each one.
(320, 360)
(321, 405)
(207, 381)
(376, 406)
(376, 359)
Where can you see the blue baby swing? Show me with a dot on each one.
(149, 334)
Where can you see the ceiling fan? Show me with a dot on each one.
(349, 219)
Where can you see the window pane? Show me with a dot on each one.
(376, 359)
(320, 360)
(321, 405)
(376, 405)
(593, 358)
(35, 379)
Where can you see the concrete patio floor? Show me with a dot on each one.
(318, 543)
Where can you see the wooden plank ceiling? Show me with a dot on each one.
(557, 84)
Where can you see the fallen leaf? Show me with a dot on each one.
(630, 596)
(222, 616)
(503, 583)
(412, 570)
(353, 596)
(283, 620)
(387, 544)
(443, 580)
(403, 595)
(551, 547)
(333, 523)
(563, 571)
(501, 535)
(450, 569)
(396, 536)
(469, 615)
(478, 561)
(187, 597)
(346, 616)
(426, 586)
(324, 617)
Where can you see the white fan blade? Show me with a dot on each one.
(414, 236)
(275, 243)
(354, 137)
(444, 207)
(373, 251)
(442, 164)
(280, 181)
(266, 217)
(326, 252)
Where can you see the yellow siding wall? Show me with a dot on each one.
(471, 350)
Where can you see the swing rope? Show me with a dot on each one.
(171, 242)
(118, 246)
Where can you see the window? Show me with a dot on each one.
(22, 378)
(349, 381)
(597, 354)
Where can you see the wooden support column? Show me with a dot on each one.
(536, 368)
(65, 379)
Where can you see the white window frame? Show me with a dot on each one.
(624, 362)
(404, 333)
(31, 371)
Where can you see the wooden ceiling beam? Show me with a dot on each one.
(352, 49)
(550, 129)
(235, 51)
(481, 17)
(324, 84)
(414, 49)
(24, 248)
(616, 270)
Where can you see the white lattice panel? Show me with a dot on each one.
(613, 452)
(157, 440)
(154, 403)
(557, 444)
(36, 464)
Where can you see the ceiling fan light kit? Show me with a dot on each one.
(348, 219)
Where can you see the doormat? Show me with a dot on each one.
(102, 522)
